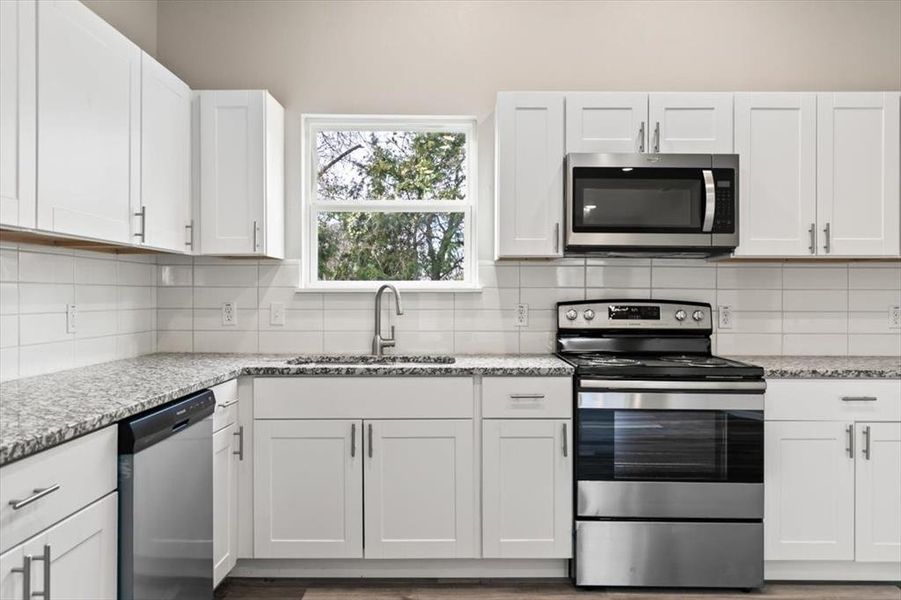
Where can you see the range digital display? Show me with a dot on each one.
(633, 313)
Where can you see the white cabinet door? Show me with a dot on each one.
(526, 488)
(878, 511)
(165, 158)
(530, 155)
(688, 122)
(308, 489)
(17, 112)
(11, 580)
(225, 500)
(857, 173)
(809, 490)
(776, 140)
(419, 489)
(89, 111)
(606, 122)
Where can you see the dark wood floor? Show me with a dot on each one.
(295, 589)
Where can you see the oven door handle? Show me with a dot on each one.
(710, 200)
(671, 401)
(674, 386)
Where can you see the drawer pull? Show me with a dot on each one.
(45, 558)
(859, 398)
(38, 494)
(565, 443)
(25, 570)
(527, 396)
(867, 452)
(850, 431)
(227, 404)
(240, 451)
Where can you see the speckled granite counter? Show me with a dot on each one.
(812, 367)
(40, 412)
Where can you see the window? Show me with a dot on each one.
(389, 199)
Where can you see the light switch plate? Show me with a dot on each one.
(229, 313)
(71, 318)
(522, 315)
(724, 314)
(894, 317)
(277, 313)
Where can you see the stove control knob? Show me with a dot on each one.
(588, 314)
(571, 314)
(680, 315)
(697, 315)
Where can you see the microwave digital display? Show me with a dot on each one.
(633, 313)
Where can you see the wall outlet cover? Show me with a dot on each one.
(724, 315)
(277, 313)
(522, 315)
(229, 313)
(894, 317)
(71, 318)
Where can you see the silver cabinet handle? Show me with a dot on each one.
(143, 233)
(556, 237)
(370, 440)
(45, 558)
(526, 396)
(565, 444)
(227, 404)
(240, 451)
(867, 451)
(850, 430)
(827, 234)
(657, 137)
(859, 398)
(709, 200)
(189, 230)
(353, 440)
(641, 137)
(25, 570)
(256, 237)
(37, 495)
(812, 232)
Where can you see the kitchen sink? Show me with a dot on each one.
(370, 359)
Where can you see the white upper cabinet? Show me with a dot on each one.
(165, 201)
(690, 122)
(530, 154)
(857, 173)
(419, 499)
(241, 174)
(17, 113)
(89, 124)
(878, 502)
(606, 122)
(775, 138)
(809, 491)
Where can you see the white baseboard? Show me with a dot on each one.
(407, 568)
(802, 570)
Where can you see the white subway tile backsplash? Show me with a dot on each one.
(9, 331)
(426, 342)
(9, 264)
(749, 278)
(100, 271)
(46, 358)
(813, 277)
(97, 324)
(486, 342)
(175, 275)
(131, 297)
(870, 322)
(814, 300)
(95, 297)
(754, 322)
(136, 321)
(815, 322)
(618, 276)
(551, 276)
(210, 319)
(93, 350)
(423, 320)
(9, 363)
(484, 320)
(875, 300)
(41, 267)
(286, 274)
(887, 277)
(175, 341)
(175, 319)
(290, 298)
(498, 275)
(9, 298)
(290, 342)
(43, 328)
(226, 341)
(175, 297)
(238, 275)
(347, 342)
(545, 298)
(686, 295)
(213, 297)
(618, 294)
(696, 277)
(537, 342)
(45, 297)
(875, 344)
(731, 344)
(815, 344)
(496, 298)
(295, 320)
(753, 300)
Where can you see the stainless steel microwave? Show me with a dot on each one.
(651, 204)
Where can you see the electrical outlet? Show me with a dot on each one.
(277, 313)
(229, 313)
(894, 317)
(724, 314)
(71, 318)
(522, 315)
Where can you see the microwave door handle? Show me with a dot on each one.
(710, 200)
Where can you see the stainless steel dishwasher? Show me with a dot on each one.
(166, 501)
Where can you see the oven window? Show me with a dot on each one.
(640, 200)
(670, 445)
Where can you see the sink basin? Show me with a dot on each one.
(369, 359)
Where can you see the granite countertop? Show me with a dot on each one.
(813, 367)
(40, 412)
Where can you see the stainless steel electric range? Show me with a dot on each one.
(669, 439)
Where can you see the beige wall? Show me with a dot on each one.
(452, 57)
(137, 19)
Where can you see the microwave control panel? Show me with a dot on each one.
(724, 217)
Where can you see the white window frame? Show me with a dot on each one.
(311, 124)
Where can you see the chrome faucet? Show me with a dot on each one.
(378, 342)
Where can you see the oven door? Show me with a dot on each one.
(621, 200)
(669, 454)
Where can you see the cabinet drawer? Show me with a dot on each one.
(527, 397)
(83, 469)
(833, 400)
(226, 411)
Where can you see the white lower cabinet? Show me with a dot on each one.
(308, 489)
(878, 510)
(419, 498)
(225, 502)
(82, 557)
(809, 512)
(526, 488)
